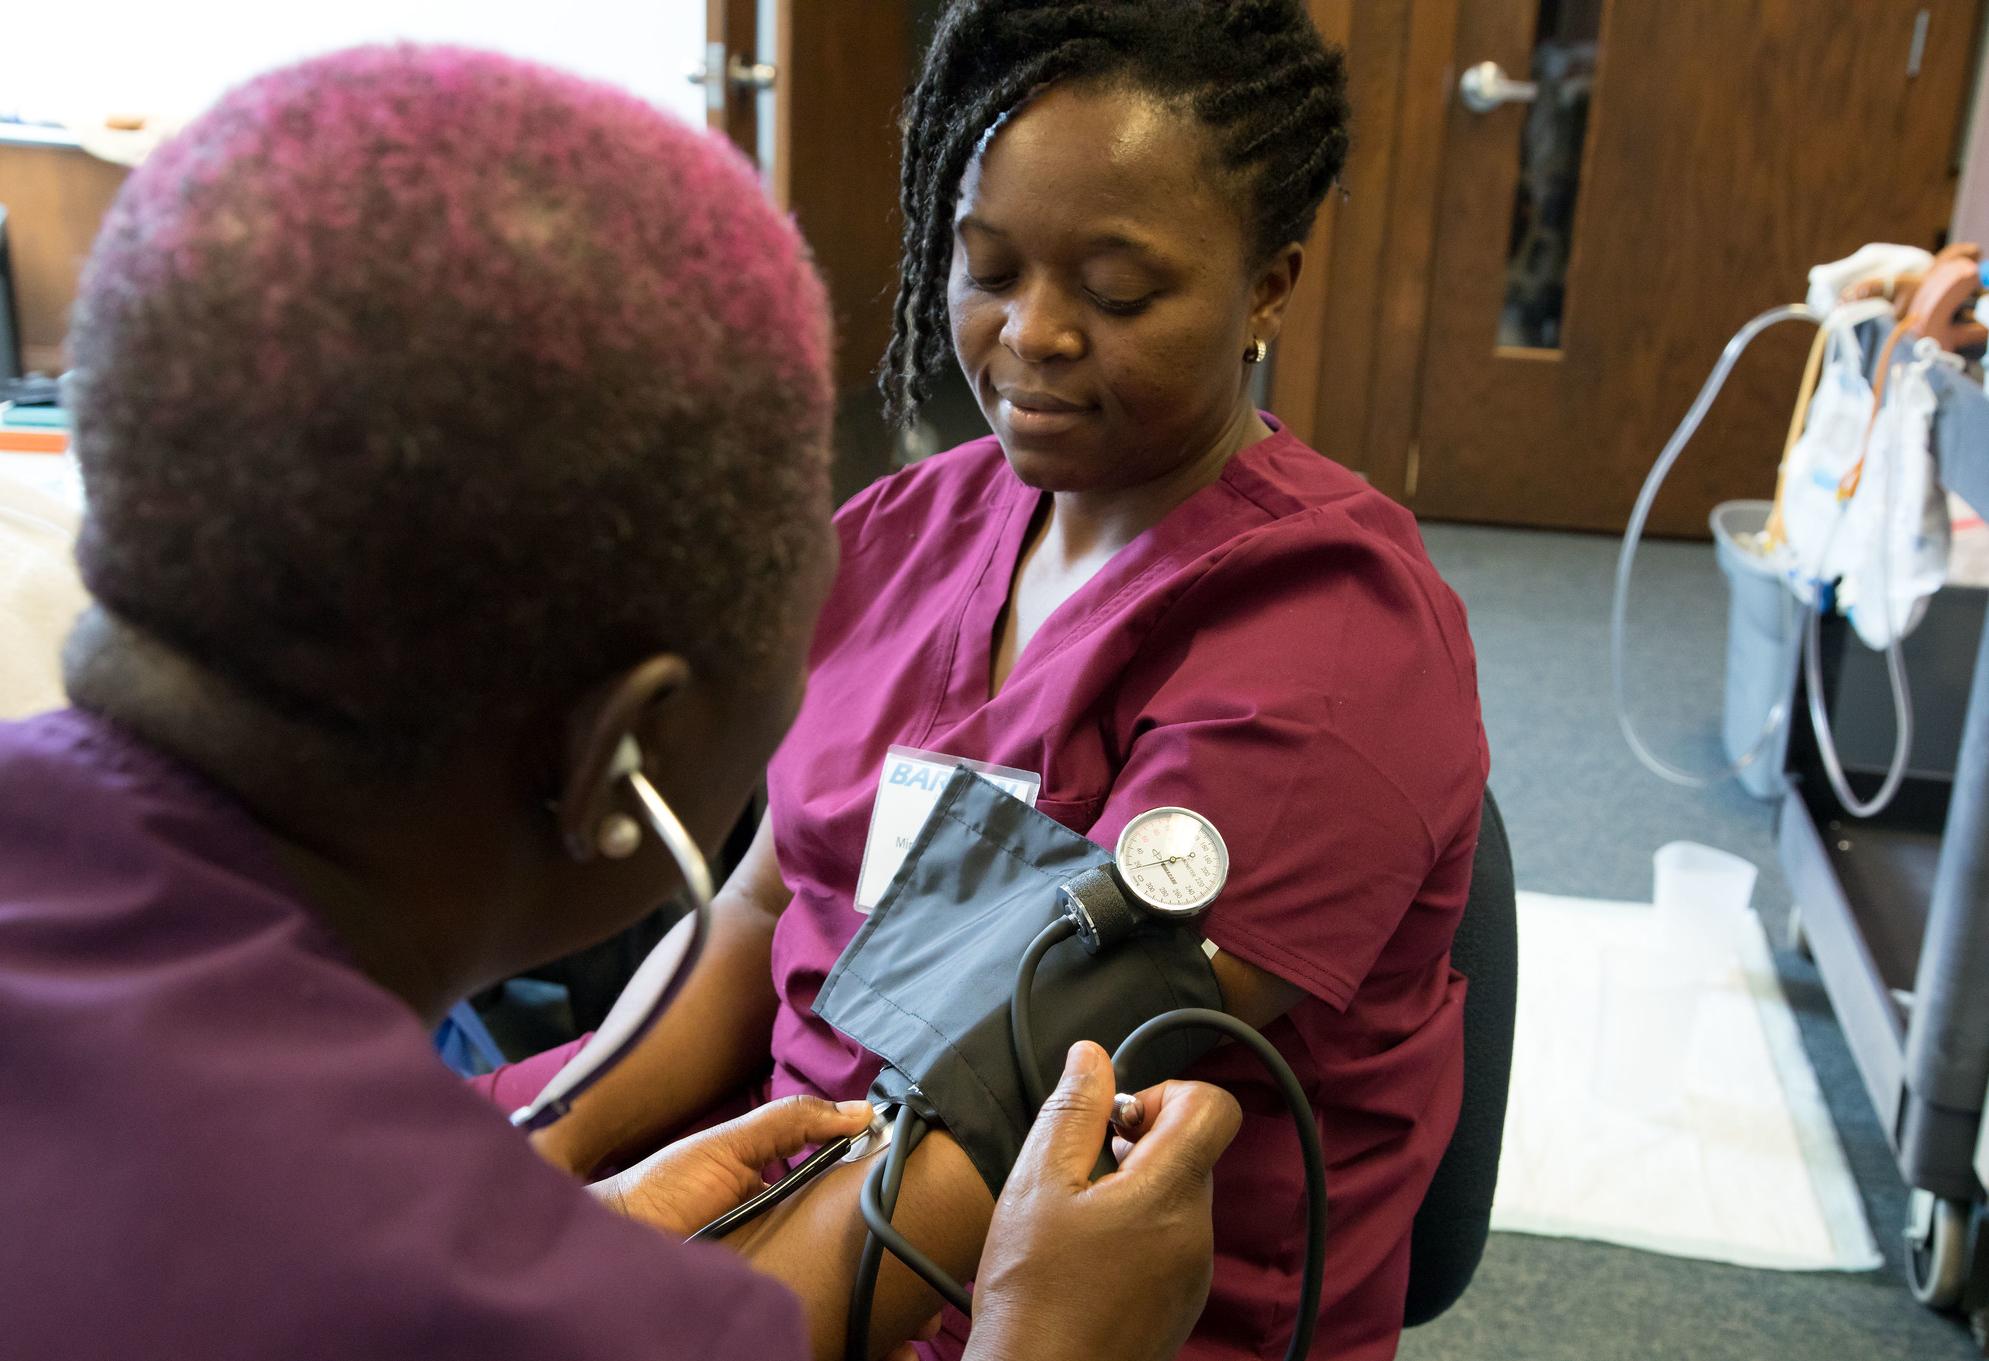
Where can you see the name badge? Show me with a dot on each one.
(907, 788)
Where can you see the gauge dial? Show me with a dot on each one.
(1173, 861)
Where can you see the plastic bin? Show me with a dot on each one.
(1764, 640)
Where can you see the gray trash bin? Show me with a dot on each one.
(1764, 640)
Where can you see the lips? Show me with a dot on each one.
(1040, 415)
(1023, 400)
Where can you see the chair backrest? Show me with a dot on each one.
(1456, 1214)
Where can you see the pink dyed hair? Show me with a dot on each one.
(417, 385)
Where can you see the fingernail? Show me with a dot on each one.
(862, 1108)
(1127, 1114)
(1080, 1058)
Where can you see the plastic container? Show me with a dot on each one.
(1690, 880)
(1764, 643)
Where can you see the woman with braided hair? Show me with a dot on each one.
(1146, 592)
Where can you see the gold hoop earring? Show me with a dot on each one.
(1255, 354)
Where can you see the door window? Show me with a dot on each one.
(1550, 161)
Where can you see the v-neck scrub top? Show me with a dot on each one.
(1278, 654)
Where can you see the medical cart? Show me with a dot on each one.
(1895, 910)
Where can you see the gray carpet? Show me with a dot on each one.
(1584, 819)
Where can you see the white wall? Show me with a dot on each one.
(78, 60)
(1971, 200)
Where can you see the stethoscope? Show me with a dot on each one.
(650, 991)
(657, 980)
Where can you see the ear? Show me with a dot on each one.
(1272, 290)
(616, 713)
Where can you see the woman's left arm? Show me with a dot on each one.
(1312, 695)
(1252, 995)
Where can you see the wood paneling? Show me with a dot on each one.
(1299, 365)
(843, 71)
(1376, 42)
(1405, 300)
(735, 25)
(1971, 205)
(55, 198)
(1348, 359)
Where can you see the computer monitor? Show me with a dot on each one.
(10, 314)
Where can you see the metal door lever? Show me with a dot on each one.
(1486, 86)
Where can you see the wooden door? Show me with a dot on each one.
(812, 93)
(55, 196)
(1682, 167)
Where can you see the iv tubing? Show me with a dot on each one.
(1625, 563)
(1826, 744)
(1812, 631)
(1895, 670)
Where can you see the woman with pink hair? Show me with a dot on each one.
(450, 428)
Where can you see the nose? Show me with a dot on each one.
(1040, 325)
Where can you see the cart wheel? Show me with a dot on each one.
(1975, 1294)
(1798, 938)
(1936, 1249)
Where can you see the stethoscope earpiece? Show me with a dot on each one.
(660, 976)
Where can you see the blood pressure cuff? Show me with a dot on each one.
(926, 983)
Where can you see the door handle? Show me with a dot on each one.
(1486, 86)
(747, 77)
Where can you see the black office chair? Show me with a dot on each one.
(1456, 1214)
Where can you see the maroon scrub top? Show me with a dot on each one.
(221, 1140)
(1277, 654)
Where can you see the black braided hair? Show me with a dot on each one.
(1255, 72)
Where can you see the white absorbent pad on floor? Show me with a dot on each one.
(1661, 1098)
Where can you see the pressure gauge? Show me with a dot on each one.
(1172, 861)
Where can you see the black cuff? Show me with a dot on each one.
(926, 983)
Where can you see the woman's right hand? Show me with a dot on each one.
(1116, 1268)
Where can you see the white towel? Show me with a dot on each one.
(40, 593)
(1661, 1098)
